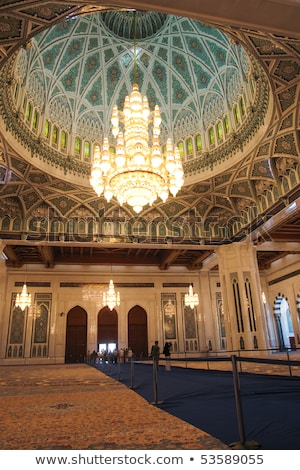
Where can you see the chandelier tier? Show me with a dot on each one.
(111, 298)
(23, 300)
(191, 299)
(136, 173)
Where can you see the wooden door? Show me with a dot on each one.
(138, 332)
(107, 326)
(76, 335)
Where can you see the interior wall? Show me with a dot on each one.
(84, 287)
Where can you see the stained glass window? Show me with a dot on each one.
(63, 139)
(35, 119)
(226, 124)
(211, 134)
(77, 146)
(87, 150)
(47, 128)
(237, 116)
(181, 149)
(54, 135)
(220, 130)
(189, 147)
(28, 111)
(198, 143)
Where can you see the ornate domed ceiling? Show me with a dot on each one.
(74, 73)
(228, 98)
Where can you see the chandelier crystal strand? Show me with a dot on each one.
(191, 299)
(136, 173)
(111, 298)
(23, 300)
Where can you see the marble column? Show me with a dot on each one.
(241, 291)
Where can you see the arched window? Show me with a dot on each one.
(77, 146)
(242, 106)
(181, 149)
(54, 226)
(47, 128)
(226, 124)
(211, 135)
(162, 230)
(87, 150)
(189, 147)
(238, 306)
(28, 111)
(55, 135)
(16, 91)
(81, 227)
(5, 223)
(237, 116)
(63, 140)
(220, 130)
(139, 228)
(16, 224)
(198, 143)
(35, 120)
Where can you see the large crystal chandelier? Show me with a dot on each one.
(191, 299)
(23, 300)
(111, 298)
(137, 172)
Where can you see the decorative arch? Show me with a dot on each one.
(76, 335)
(138, 331)
(107, 331)
(283, 322)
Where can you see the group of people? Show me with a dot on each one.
(123, 355)
(111, 357)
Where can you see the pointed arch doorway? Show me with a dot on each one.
(107, 335)
(285, 330)
(76, 335)
(138, 331)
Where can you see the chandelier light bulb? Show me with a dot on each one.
(108, 194)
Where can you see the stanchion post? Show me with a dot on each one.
(242, 444)
(132, 372)
(119, 369)
(154, 381)
(289, 363)
(238, 404)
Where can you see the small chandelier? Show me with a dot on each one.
(23, 300)
(111, 298)
(135, 172)
(191, 299)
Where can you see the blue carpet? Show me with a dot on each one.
(206, 399)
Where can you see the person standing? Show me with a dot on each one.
(121, 356)
(166, 350)
(167, 353)
(155, 353)
(130, 354)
